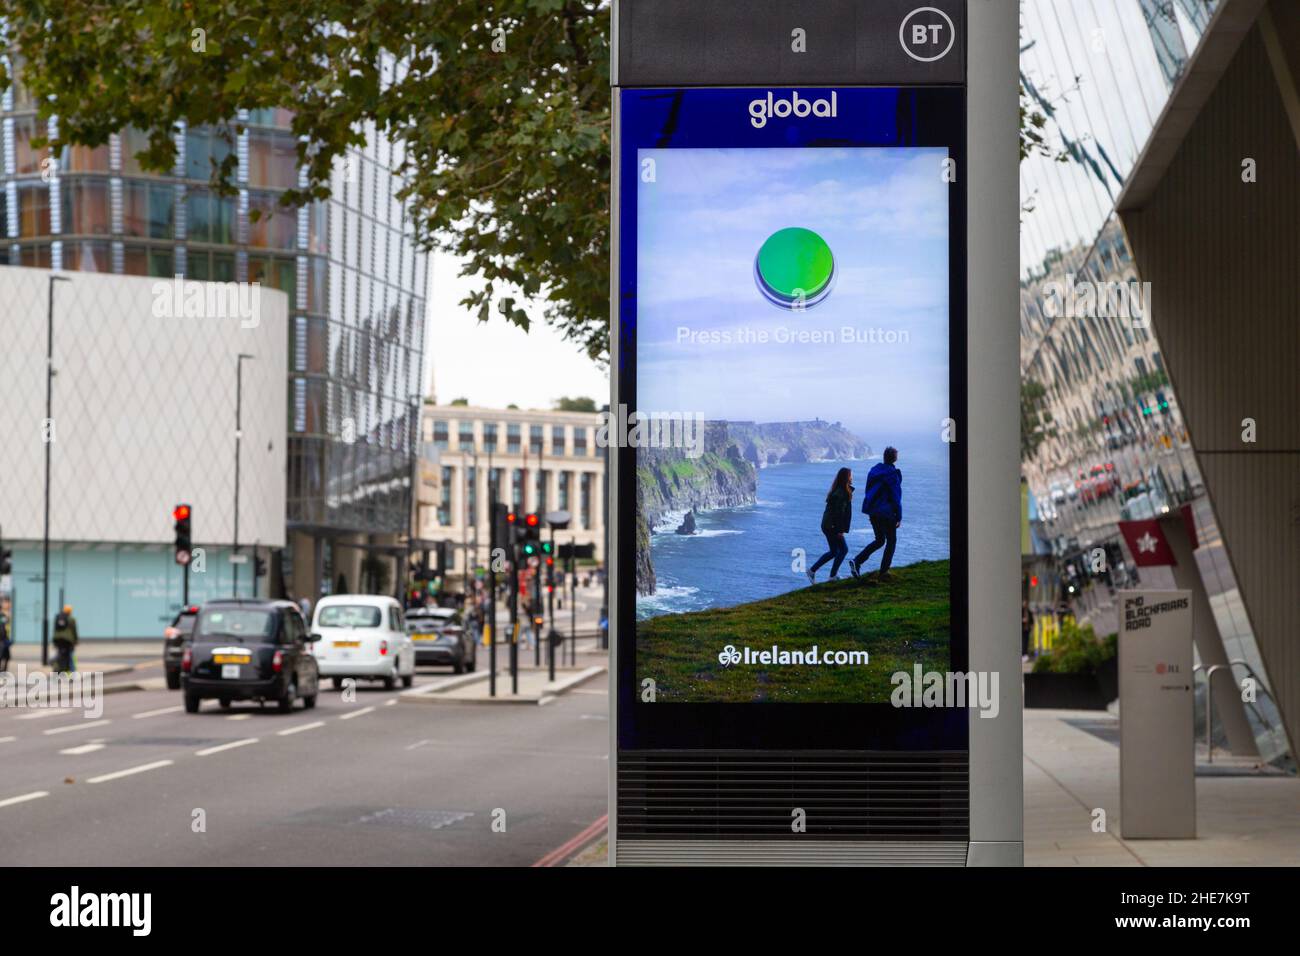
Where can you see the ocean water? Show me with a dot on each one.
(744, 554)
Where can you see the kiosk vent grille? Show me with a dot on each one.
(844, 795)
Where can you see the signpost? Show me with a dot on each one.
(1157, 748)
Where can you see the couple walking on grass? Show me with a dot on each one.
(882, 503)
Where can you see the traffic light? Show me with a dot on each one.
(6, 560)
(259, 567)
(503, 526)
(530, 534)
(183, 545)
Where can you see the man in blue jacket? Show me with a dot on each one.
(882, 502)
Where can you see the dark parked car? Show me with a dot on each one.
(441, 637)
(249, 650)
(175, 637)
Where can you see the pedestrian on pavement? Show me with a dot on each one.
(5, 642)
(65, 639)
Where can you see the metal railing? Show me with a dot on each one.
(1209, 700)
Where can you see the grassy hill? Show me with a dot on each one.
(899, 624)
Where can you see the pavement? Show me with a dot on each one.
(364, 781)
(1071, 767)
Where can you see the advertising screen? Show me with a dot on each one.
(792, 311)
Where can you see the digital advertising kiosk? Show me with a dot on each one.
(814, 560)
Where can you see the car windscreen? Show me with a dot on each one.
(235, 623)
(349, 615)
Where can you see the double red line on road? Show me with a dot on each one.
(572, 846)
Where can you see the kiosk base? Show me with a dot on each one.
(790, 853)
(993, 853)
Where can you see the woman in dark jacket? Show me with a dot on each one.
(835, 523)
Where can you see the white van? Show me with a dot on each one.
(362, 636)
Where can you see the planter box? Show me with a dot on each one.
(1065, 692)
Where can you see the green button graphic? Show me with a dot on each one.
(794, 268)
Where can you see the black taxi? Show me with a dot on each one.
(245, 649)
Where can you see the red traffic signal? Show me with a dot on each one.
(510, 517)
(531, 520)
(181, 513)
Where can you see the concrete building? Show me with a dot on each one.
(537, 461)
(144, 408)
(354, 281)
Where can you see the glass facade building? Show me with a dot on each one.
(1095, 390)
(355, 280)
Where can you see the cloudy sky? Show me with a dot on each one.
(495, 363)
(884, 214)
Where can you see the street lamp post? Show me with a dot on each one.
(572, 570)
(49, 441)
(239, 434)
(413, 500)
(556, 521)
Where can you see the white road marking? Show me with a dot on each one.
(103, 778)
(83, 749)
(159, 712)
(389, 703)
(239, 717)
(42, 714)
(418, 743)
(85, 726)
(7, 740)
(299, 729)
(24, 798)
(355, 713)
(230, 746)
